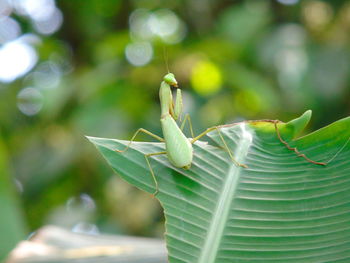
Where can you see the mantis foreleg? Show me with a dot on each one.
(178, 105)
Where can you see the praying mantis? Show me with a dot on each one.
(178, 147)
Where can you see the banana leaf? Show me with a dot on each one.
(291, 203)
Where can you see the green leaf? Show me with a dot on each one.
(281, 208)
(12, 225)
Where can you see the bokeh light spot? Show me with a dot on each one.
(85, 228)
(165, 24)
(49, 25)
(206, 78)
(29, 101)
(317, 14)
(139, 54)
(9, 29)
(288, 2)
(5, 7)
(47, 75)
(36, 9)
(84, 202)
(16, 59)
(139, 28)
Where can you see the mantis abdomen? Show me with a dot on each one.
(178, 147)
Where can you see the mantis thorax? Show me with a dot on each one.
(166, 98)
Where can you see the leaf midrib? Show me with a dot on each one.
(220, 216)
(221, 213)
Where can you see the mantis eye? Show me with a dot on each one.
(170, 79)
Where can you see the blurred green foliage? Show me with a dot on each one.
(12, 227)
(99, 73)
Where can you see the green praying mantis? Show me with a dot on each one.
(178, 147)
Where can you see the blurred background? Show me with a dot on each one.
(90, 67)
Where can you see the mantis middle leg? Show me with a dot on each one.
(151, 170)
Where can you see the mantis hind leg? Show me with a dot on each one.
(134, 136)
(151, 170)
(223, 141)
(294, 149)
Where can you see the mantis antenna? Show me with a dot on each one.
(166, 58)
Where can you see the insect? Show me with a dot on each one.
(178, 147)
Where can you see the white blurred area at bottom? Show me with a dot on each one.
(54, 244)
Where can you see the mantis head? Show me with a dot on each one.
(170, 79)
